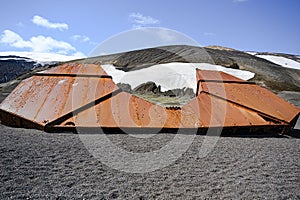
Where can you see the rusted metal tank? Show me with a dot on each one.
(74, 96)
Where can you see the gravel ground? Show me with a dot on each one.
(38, 165)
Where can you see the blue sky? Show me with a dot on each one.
(76, 27)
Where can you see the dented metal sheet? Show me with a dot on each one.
(128, 111)
(247, 95)
(214, 112)
(79, 95)
(43, 99)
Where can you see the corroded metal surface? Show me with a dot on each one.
(214, 112)
(43, 99)
(85, 96)
(126, 110)
(247, 95)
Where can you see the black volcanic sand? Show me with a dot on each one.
(38, 165)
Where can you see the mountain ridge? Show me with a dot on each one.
(268, 74)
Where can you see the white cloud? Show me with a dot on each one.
(81, 38)
(42, 44)
(14, 40)
(79, 54)
(140, 20)
(40, 21)
(37, 43)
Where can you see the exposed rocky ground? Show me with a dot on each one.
(37, 165)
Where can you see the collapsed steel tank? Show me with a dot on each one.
(72, 96)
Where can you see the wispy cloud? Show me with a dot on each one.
(83, 39)
(138, 20)
(37, 43)
(40, 21)
(80, 38)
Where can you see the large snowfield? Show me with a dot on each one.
(171, 75)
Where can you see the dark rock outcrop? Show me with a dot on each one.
(146, 88)
(125, 87)
(13, 66)
(151, 87)
(183, 92)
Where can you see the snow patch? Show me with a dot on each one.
(171, 75)
(41, 57)
(279, 60)
(251, 53)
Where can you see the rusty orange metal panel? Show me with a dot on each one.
(246, 94)
(256, 98)
(208, 111)
(215, 75)
(43, 99)
(127, 111)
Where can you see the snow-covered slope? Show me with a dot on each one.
(41, 57)
(279, 60)
(170, 76)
